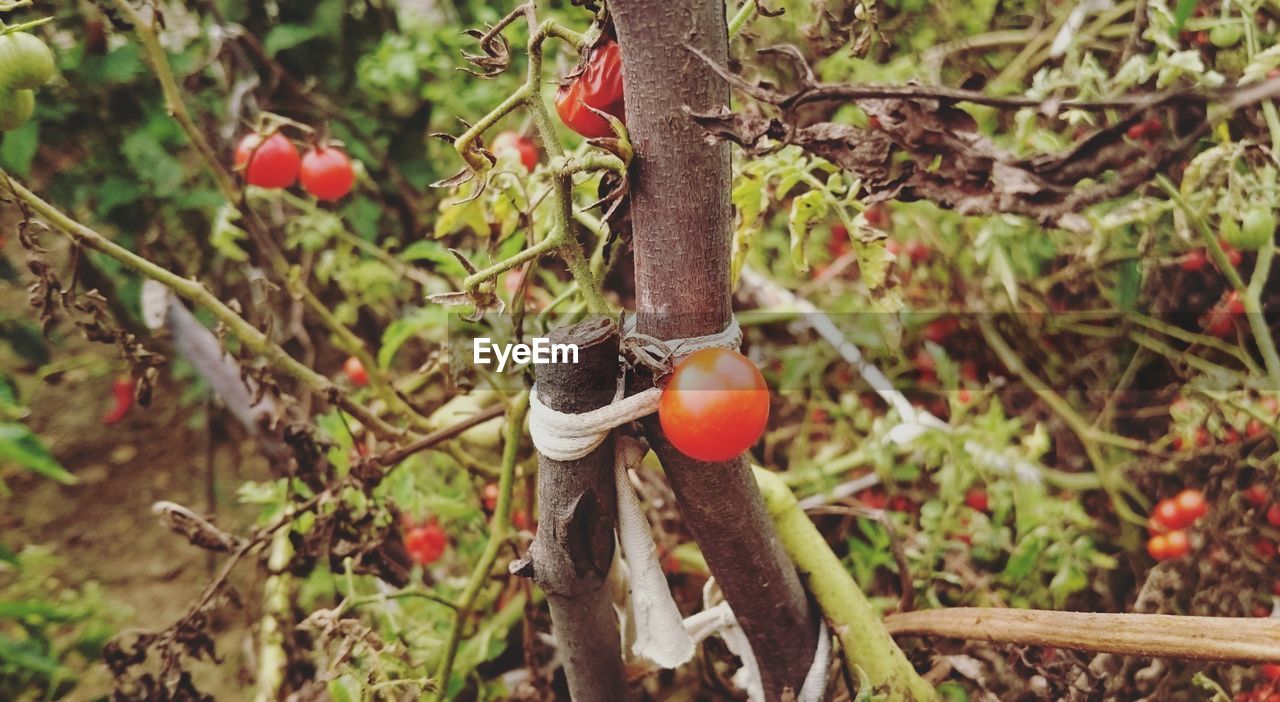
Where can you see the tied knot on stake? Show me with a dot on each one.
(661, 634)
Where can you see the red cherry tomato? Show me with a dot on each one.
(426, 543)
(524, 148)
(1158, 547)
(269, 163)
(877, 216)
(715, 406)
(1264, 549)
(355, 371)
(1167, 514)
(1271, 671)
(1234, 257)
(1194, 260)
(1273, 515)
(489, 496)
(977, 500)
(1177, 544)
(1191, 505)
(1254, 429)
(598, 86)
(1256, 495)
(918, 251)
(327, 173)
(1232, 304)
(941, 329)
(122, 395)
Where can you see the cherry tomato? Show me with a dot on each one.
(918, 251)
(941, 329)
(1256, 495)
(122, 394)
(1158, 547)
(1191, 505)
(976, 498)
(598, 86)
(873, 498)
(1271, 671)
(524, 148)
(326, 173)
(1177, 544)
(426, 543)
(269, 163)
(1194, 260)
(355, 371)
(1168, 514)
(839, 243)
(489, 496)
(1264, 549)
(1234, 257)
(1254, 429)
(715, 406)
(1273, 515)
(877, 216)
(1232, 304)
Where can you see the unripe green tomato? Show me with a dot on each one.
(16, 107)
(25, 61)
(1225, 35)
(1257, 227)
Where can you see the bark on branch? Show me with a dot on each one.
(681, 226)
(573, 550)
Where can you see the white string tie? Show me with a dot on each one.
(661, 635)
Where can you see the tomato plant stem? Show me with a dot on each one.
(196, 293)
(864, 642)
(159, 61)
(499, 528)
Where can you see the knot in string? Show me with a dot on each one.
(563, 436)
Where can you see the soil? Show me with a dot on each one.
(102, 529)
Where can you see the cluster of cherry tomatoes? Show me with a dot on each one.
(26, 63)
(425, 542)
(1200, 437)
(597, 86)
(272, 161)
(1169, 521)
(1260, 497)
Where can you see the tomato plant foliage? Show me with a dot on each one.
(985, 396)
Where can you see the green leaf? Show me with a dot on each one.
(20, 445)
(287, 36)
(403, 329)
(435, 252)
(23, 655)
(345, 688)
(804, 210)
(1181, 13)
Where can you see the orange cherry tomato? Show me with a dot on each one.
(715, 406)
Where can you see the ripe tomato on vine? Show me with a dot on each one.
(268, 163)
(522, 147)
(326, 172)
(598, 86)
(715, 406)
